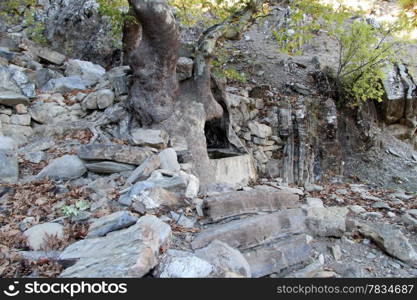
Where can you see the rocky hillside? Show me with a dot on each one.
(302, 187)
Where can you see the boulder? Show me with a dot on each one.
(89, 72)
(114, 152)
(110, 223)
(19, 133)
(64, 168)
(155, 138)
(330, 221)
(130, 252)
(36, 236)
(64, 85)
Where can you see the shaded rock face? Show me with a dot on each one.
(77, 29)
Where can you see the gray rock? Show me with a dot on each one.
(43, 52)
(277, 257)
(183, 221)
(391, 240)
(114, 152)
(235, 170)
(254, 231)
(64, 85)
(99, 100)
(9, 168)
(108, 167)
(23, 120)
(330, 221)
(314, 202)
(216, 188)
(7, 84)
(224, 257)
(19, 133)
(154, 199)
(357, 209)
(89, 72)
(250, 202)
(184, 68)
(110, 223)
(7, 144)
(412, 212)
(64, 168)
(46, 113)
(150, 137)
(381, 205)
(182, 264)
(130, 252)
(168, 158)
(35, 157)
(260, 130)
(36, 236)
(42, 77)
(144, 170)
(12, 98)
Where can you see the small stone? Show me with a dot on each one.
(314, 202)
(313, 188)
(113, 222)
(337, 252)
(184, 68)
(357, 209)
(99, 100)
(37, 235)
(21, 109)
(35, 157)
(168, 158)
(381, 205)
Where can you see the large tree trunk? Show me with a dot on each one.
(151, 47)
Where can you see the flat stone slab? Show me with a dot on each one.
(238, 170)
(279, 256)
(254, 231)
(113, 152)
(12, 99)
(109, 167)
(241, 202)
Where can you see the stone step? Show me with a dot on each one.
(277, 257)
(254, 231)
(249, 202)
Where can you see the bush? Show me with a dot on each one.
(362, 48)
